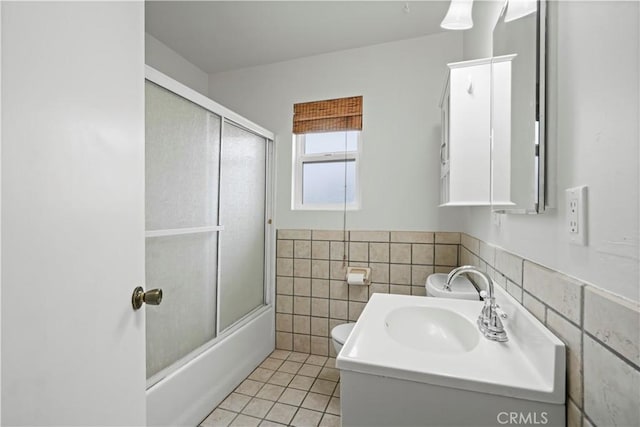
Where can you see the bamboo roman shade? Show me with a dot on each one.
(328, 116)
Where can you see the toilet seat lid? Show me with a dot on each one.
(341, 332)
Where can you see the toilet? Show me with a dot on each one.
(461, 287)
(339, 335)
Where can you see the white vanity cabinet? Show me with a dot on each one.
(465, 151)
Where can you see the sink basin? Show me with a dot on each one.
(436, 341)
(461, 288)
(413, 360)
(432, 329)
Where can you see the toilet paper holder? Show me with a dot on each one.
(358, 275)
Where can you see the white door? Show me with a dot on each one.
(73, 349)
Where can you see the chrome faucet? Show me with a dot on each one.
(489, 321)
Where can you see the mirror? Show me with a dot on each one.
(518, 108)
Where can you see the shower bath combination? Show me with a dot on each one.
(208, 240)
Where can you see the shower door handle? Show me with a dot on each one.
(152, 297)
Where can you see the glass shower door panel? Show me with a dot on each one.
(184, 267)
(182, 155)
(242, 212)
(182, 174)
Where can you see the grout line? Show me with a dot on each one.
(584, 415)
(606, 347)
(558, 313)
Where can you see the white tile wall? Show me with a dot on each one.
(558, 291)
(601, 332)
(614, 321)
(611, 387)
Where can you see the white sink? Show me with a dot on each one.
(427, 361)
(461, 287)
(432, 329)
(432, 340)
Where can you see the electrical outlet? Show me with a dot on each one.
(576, 202)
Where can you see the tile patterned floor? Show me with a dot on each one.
(291, 389)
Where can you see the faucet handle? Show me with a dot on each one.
(483, 295)
(501, 312)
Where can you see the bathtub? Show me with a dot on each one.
(189, 394)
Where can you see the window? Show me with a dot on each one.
(326, 170)
(326, 154)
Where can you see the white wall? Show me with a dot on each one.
(401, 83)
(477, 41)
(597, 145)
(596, 141)
(164, 59)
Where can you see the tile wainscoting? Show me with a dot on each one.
(312, 295)
(601, 330)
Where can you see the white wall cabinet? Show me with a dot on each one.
(465, 151)
(501, 151)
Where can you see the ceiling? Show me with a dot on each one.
(225, 35)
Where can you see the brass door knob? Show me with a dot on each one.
(152, 297)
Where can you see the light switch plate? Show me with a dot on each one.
(576, 221)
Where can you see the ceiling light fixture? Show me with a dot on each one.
(517, 9)
(459, 15)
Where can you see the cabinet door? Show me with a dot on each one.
(469, 135)
(501, 134)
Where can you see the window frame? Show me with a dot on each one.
(299, 159)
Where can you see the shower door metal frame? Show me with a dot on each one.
(226, 116)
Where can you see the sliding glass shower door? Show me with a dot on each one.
(242, 211)
(205, 221)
